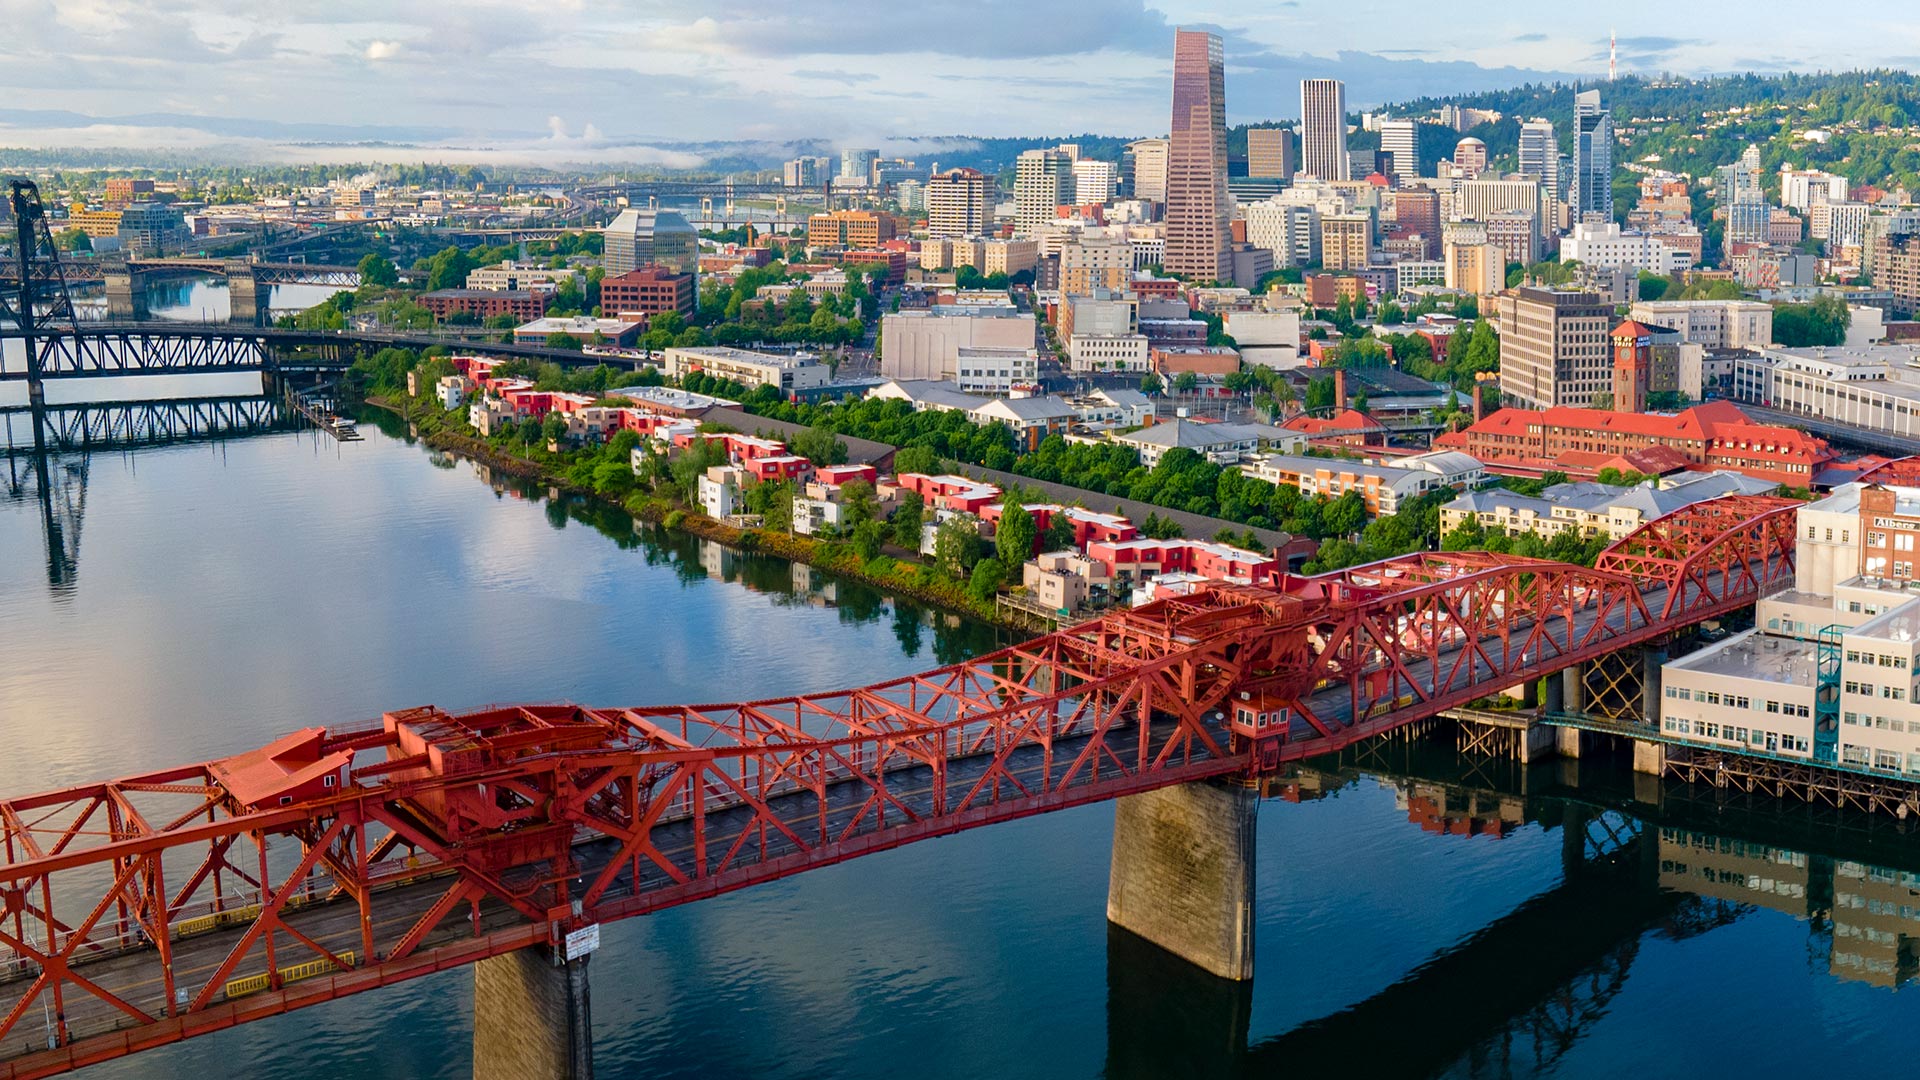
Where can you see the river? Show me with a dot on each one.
(224, 593)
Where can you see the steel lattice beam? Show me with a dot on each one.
(169, 904)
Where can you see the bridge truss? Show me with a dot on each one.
(122, 425)
(177, 902)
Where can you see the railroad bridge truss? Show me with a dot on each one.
(184, 900)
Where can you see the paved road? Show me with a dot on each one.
(843, 824)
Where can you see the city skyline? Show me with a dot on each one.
(585, 81)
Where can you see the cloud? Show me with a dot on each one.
(836, 76)
(383, 50)
(1523, 39)
(856, 29)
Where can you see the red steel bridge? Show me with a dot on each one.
(186, 900)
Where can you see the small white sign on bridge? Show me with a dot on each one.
(583, 941)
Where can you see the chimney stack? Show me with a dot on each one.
(1479, 404)
(1339, 389)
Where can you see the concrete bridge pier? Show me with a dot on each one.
(1182, 874)
(245, 295)
(531, 1017)
(126, 293)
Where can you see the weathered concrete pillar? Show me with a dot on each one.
(1649, 757)
(126, 293)
(1651, 660)
(531, 1018)
(245, 295)
(1566, 741)
(1537, 742)
(1556, 694)
(1574, 688)
(1183, 873)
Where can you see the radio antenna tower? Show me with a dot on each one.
(1613, 54)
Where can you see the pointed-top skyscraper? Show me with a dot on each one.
(1197, 206)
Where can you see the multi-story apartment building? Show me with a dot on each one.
(1553, 347)
(1480, 269)
(1198, 206)
(1095, 262)
(514, 275)
(1323, 129)
(1803, 189)
(1894, 261)
(957, 203)
(1417, 211)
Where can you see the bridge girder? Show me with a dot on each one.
(341, 860)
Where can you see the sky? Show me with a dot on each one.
(565, 81)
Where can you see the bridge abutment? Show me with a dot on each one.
(1182, 875)
(531, 1018)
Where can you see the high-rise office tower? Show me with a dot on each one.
(1042, 182)
(957, 203)
(1591, 193)
(1146, 167)
(1540, 153)
(856, 163)
(1269, 152)
(1400, 140)
(1197, 204)
(1323, 129)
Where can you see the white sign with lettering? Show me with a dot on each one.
(583, 941)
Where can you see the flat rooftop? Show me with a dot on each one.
(1757, 656)
(1901, 623)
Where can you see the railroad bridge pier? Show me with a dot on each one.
(532, 1018)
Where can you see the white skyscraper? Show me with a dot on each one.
(1400, 139)
(1147, 169)
(1042, 182)
(1093, 181)
(1540, 154)
(1323, 129)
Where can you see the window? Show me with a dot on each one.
(1853, 655)
(1713, 697)
(1773, 706)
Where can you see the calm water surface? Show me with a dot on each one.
(227, 593)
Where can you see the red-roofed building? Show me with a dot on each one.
(1716, 435)
(1348, 428)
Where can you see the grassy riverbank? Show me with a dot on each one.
(586, 473)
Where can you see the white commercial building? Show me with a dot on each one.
(987, 370)
(1875, 387)
(1716, 324)
(750, 369)
(1043, 182)
(1803, 189)
(927, 344)
(1268, 338)
(1604, 244)
(1094, 181)
(1108, 352)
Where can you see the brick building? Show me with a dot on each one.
(650, 290)
(521, 304)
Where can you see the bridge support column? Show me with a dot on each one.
(1183, 873)
(126, 294)
(1649, 757)
(1573, 692)
(1537, 742)
(531, 1018)
(1651, 661)
(244, 295)
(1566, 742)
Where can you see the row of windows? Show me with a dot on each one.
(1856, 656)
(1890, 693)
(1878, 723)
(1772, 741)
(1737, 701)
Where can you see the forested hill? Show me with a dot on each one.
(1872, 120)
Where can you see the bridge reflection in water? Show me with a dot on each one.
(48, 463)
(1516, 997)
